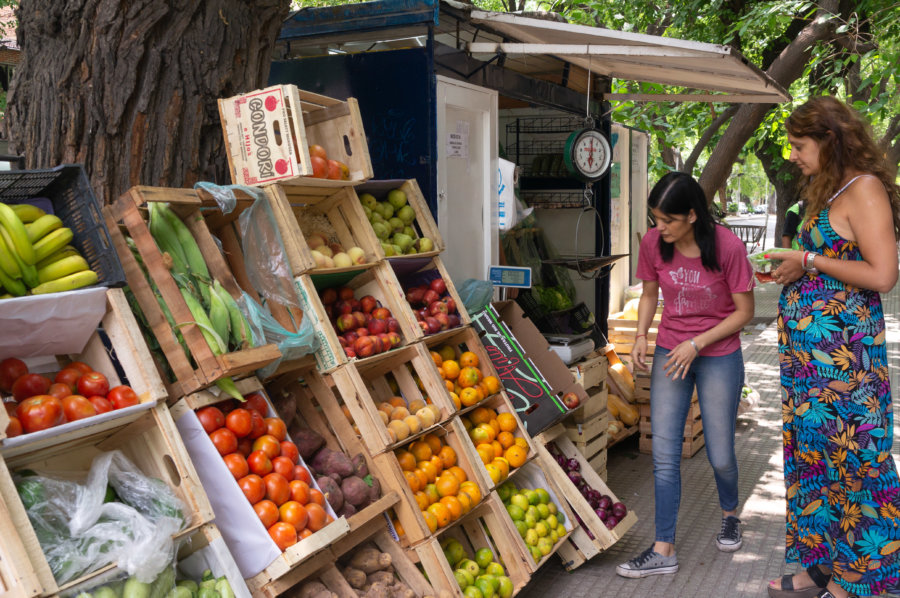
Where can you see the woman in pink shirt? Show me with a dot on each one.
(706, 282)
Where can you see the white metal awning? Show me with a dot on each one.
(717, 72)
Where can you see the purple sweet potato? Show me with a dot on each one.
(327, 462)
(355, 491)
(347, 510)
(307, 441)
(332, 492)
(374, 490)
(360, 465)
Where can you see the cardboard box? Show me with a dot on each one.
(535, 378)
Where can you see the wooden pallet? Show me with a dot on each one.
(128, 211)
(151, 442)
(591, 371)
(485, 526)
(623, 434)
(424, 223)
(642, 385)
(621, 333)
(299, 118)
(693, 431)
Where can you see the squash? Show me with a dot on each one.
(611, 405)
(623, 380)
(627, 412)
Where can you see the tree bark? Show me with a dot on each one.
(129, 89)
(787, 68)
(785, 188)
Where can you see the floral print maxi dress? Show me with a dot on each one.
(843, 493)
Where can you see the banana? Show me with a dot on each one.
(8, 264)
(27, 212)
(29, 272)
(15, 286)
(67, 283)
(63, 267)
(18, 233)
(43, 225)
(66, 251)
(53, 242)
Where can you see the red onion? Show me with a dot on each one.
(604, 502)
(573, 465)
(611, 522)
(574, 477)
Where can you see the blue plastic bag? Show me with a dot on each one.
(476, 294)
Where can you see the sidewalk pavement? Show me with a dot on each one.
(703, 570)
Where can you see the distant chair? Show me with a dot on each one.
(753, 235)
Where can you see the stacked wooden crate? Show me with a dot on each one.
(587, 426)
(693, 430)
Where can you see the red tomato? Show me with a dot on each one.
(245, 447)
(59, 390)
(122, 396)
(301, 473)
(277, 488)
(77, 407)
(294, 513)
(259, 424)
(101, 404)
(30, 385)
(237, 465)
(69, 377)
(240, 422)
(257, 402)
(40, 412)
(81, 367)
(316, 496)
(224, 441)
(259, 463)
(10, 370)
(93, 383)
(14, 428)
(253, 488)
(275, 427)
(228, 405)
(284, 466)
(267, 511)
(267, 444)
(299, 491)
(211, 419)
(283, 534)
(289, 450)
(318, 516)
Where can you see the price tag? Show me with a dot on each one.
(510, 276)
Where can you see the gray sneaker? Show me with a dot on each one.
(648, 563)
(729, 537)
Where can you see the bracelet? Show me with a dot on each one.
(639, 336)
(694, 345)
(809, 260)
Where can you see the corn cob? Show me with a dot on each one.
(166, 239)
(240, 328)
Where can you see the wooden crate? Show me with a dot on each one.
(483, 527)
(590, 437)
(18, 578)
(603, 537)
(499, 403)
(693, 431)
(590, 371)
(577, 549)
(151, 442)
(462, 340)
(407, 509)
(365, 385)
(206, 549)
(593, 406)
(126, 361)
(268, 133)
(129, 211)
(378, 281)
(228, 500)
(621, 333)
(336, 213)
(642, 385)
(424, 223)
(414, 271)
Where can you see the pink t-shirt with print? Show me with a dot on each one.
(696, 299)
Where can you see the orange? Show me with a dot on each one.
(469, 396)
(466, 422)
(506, 439)
(397, 402)
(486, 452)
(503, 464)
(468, 376)
(494, 472)
(438, 463)
(496, 425)
(422, 500)
(472, 490)
(421, 476)
(489, 430)
(507, 422)
(465, 502)
(456, 401)
(492, 383)
(480, 415)
(398, 528)
(498, 448)
(430, 520)
(459, 472)
(432, 493)
(406, 459)
(434, 442)
(522, 442)
(516, 455)
(454, 506)
(412, 480)
(450, 369)
(468, 359)
(421, 450)
(481, 387)
(447, 484)
(441, 513)
(429, 469)
(436, 357)
(450, 386)
(447, 456)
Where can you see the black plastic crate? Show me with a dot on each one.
(72, 199)
(575, 320)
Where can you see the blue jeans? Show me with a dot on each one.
(719, 380)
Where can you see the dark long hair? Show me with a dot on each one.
(677, 193)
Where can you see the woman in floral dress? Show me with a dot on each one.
(843, 492)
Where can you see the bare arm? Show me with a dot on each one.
(646, 311)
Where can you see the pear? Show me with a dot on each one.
(388, 249)
(402, 241)
(367, 200)
(396, 224)
(381, 230)
(385, 209)
(397, 198)
(424, 244)
(368, 212)
(406, 214)
(408, 230)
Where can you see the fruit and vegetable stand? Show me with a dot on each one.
(396, 454)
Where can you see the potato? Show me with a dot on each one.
(385, 577)
(332, 492)
(354, 577)
(378, 590)
(369, 560)
(313, 589)
(401, 590)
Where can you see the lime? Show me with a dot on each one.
(495, 569)
(506, 587)
(463, 578)
(536, 554)
(486, 585)
(484, 556)
(472, 592)
(522, 527)
(515, 513)
(543, 496)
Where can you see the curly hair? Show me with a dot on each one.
(846, 143)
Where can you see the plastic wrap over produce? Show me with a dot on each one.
(117, 515)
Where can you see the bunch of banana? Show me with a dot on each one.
(35, 255)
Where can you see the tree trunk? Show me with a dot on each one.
(785, 183)
(787, 68)
(129, 89)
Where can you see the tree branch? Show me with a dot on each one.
(708, 135)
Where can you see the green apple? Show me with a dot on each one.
(406, 214)
(397, 198)
(368, 200)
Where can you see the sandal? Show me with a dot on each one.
(787, 586)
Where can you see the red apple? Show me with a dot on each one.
(438, 286)
(444, 319)
(342, 307)
(345, 322)
(342, 341)
(381, 313)
(319, 167)
(368, 303)
(377, 326)
(349, 352)
(421, 314)
(355, 304)
(571, 400)
(433, 325)
(350, 337)
(454, 320)
(365, 346)
(345, 293)
(329, 296)
(386, 343)
(334, 170)
(329, 311)
(360, 319)
(451, 304)
(430, 297)
(436, 307)
(393, 325)
(414, 295)
(395, 339)
(424, 326)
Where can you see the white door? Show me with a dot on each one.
(467, 178)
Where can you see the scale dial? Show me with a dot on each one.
(587, 154)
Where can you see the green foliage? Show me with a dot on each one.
(732, 207)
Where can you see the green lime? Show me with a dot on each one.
(472, 592)
(515, 513)
(486, 585)
(463, 578)
(543, 495)
(506, 587)
(484, 556)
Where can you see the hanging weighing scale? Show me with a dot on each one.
(587, 154)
